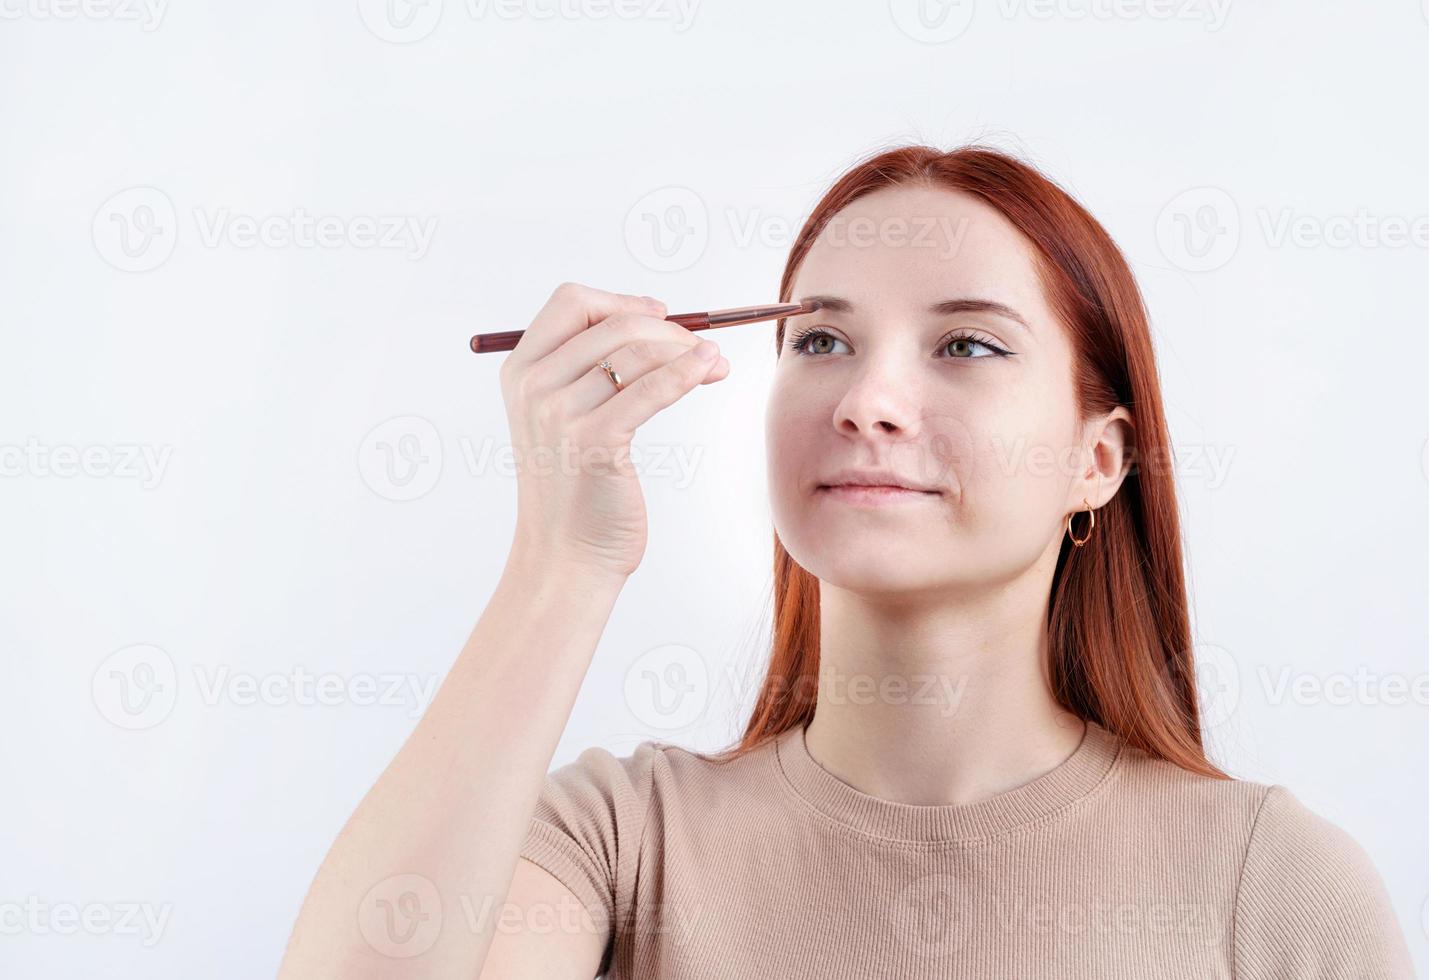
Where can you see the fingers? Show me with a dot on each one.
(556, 363)
(626, 329)
(594, 386)
(571, 309)
(626, 410)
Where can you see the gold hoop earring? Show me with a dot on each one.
(1086, 537)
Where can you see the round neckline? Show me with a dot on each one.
(1073, 778)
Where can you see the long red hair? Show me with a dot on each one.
(1119, 628)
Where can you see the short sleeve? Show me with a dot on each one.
(1310, 901)
(587, 827)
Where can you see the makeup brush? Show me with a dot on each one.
(484, 343)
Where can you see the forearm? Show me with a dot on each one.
(455, 803)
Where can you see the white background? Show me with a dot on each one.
(1228, 148)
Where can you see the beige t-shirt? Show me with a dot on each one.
(1112, 865)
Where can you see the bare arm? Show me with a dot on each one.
(544, 941)
(416, 881)
(454, 806)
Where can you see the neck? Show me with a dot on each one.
(938, 704)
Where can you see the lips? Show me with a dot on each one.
(875, 480)
(874, 497)
(874, 486)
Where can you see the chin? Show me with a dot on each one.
(868, 562)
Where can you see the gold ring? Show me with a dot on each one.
(610, 373)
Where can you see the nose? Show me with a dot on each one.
(878, 404)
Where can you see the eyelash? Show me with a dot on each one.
(801, 339)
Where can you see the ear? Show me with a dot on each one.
(1109, 443)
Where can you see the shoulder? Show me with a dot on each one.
(1290, 837)
(1219, 812)
(1276, 840)
(592, 815)
(628, 782)
(598, 800)
(1310, 899)
(588, 820)
(599, 773)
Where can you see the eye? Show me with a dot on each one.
(810, 342)
(806, 339)
(974, 340)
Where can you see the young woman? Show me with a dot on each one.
(977, 750)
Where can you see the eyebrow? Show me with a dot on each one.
(837, 304)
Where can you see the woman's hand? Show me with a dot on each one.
(578, 496)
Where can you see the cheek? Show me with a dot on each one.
(788, 422)
(1021, 468)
